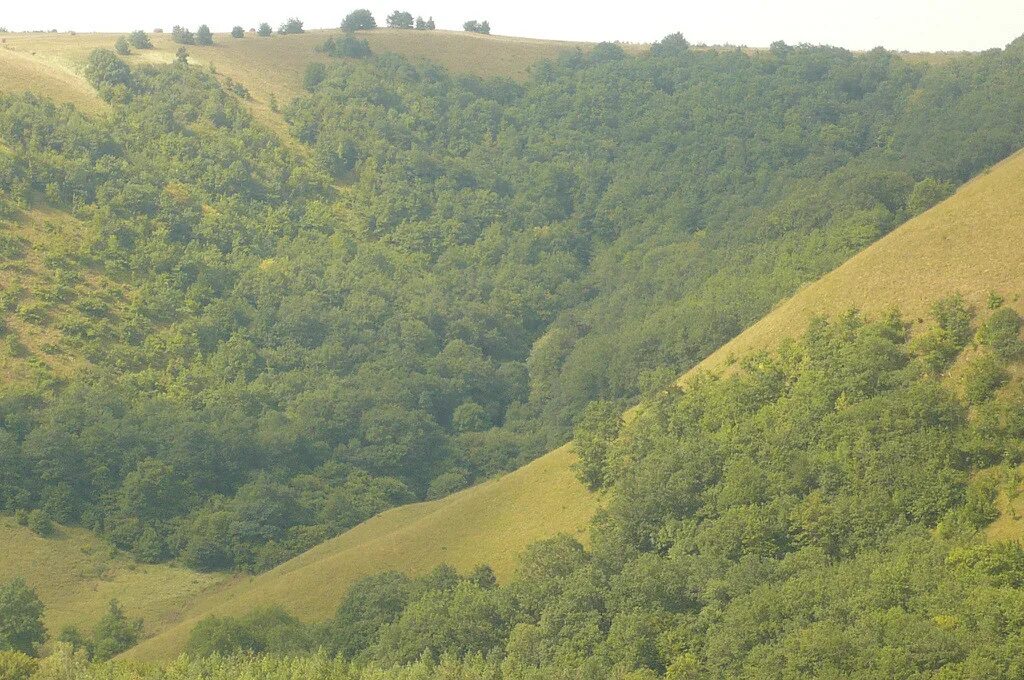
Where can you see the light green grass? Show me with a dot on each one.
(76, 574)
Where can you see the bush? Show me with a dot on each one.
(204, 36)
(1001, 333)
(982, 377)
(115, 633)
(359, 20)
(399, 19)
(140, 41)
(290, 27)
(40, 523)
(182, 36)
(315, 74)
(21, 618)
(16, 666)
(121, 46)
(264, 31)
(474, 26)
(237, 32)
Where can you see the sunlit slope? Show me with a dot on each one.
(971, 243)
(490, 523)
(51, 64)
(76, 575)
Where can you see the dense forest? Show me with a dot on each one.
(814, 514)
(432, 276)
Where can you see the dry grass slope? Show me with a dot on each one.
(490, 523)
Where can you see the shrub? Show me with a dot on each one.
(291, 26)
(121, 46)
(204, 36)
(17, 666)
(40, 523)
(315, 74)
(359, 20)
(139, 40)
(474, 26)
(237, 32)
(264, 31)
(399, 19)
(183, 36)
(982, 377)
(1001, 333)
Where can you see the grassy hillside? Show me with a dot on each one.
(966, 244)
(76, 574)
(50, 64)
(50, 297)
(490, 523)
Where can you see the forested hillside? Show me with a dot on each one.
(435, 281)
(815, 514)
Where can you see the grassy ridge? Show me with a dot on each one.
(969, 244)
(50, 64)
(489, 523)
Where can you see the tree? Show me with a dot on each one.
(237, 32)
(139, 40)
(181, 56)
(400, 19)
(264, 31)
(21, 618)
(204, 36)
(359, 20)
(114, 633)
(121, 46)
(474, 26)
(292, 26)
(182, 36)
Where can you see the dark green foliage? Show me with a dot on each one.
(182, 35)
(268, 630)
(121, 46)
(347, 45)
(474, 26)
(291, 26)
(265, 30)
(40, 522)
(181, 56)
(204, 36)
(1001, 334)
(400, 19)
(21, 618)
(358, 20)
(425, 24)
(315, 74)
(114, 633)
(927, 193)
(237, 32)
(595, 432)
(982, 377)
(140, 40)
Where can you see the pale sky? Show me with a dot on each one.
(916, 25)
